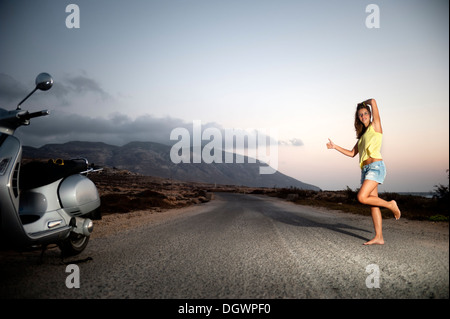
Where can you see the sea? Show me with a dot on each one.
(422, 194)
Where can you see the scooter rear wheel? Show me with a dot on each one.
(74, 244)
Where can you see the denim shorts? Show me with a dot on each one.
(375, 171)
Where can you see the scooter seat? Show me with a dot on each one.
(38, 173)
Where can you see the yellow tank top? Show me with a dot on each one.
(369, 145)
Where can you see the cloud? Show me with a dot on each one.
(83, 84)
(292, 142)
(71, 88)
(119, 129)
(11, 90)
(296, 142)
(65, 90)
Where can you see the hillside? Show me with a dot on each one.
(153, 159)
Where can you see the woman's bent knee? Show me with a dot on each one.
(361, 198)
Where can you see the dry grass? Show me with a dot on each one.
(412, 207)
(123, 192)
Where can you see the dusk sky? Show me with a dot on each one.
(136, 70)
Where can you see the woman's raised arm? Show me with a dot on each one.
(376, 122)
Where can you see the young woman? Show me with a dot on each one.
(373, 171)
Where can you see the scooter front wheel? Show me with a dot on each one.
(74, 244)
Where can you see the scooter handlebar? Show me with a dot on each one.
(27, 115)
(11, 120)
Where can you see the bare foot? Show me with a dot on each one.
(395, 209)
(375, 241)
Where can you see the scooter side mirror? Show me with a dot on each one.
(44, 81)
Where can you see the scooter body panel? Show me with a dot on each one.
(41, 211)
(11, 229)
(53, 206)
(78, 195)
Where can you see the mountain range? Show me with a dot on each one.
(153, 159)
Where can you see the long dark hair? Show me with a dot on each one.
(359, 126)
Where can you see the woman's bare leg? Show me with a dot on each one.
(377, 223)
(366, 197)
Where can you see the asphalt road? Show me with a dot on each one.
(243, 246)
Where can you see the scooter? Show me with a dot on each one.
(43, 203)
